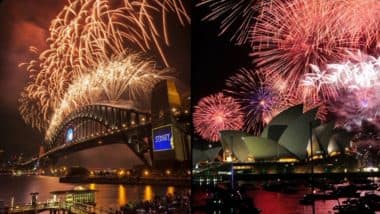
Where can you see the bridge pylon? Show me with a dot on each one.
(170, 139)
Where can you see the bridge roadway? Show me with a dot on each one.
(119, 136)
(98, 125)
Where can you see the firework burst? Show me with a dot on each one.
(354, 18)
(215, 113)
(89, 34)
(290, 35)
(259, 97)
(236, 17)
(359, 72)
(360, 21)
(130, 78)
(357, 82)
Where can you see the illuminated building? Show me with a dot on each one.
(78, 195)
(285, 139)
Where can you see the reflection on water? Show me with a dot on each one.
(275, 202)
(122, 196)
(107, 195)
(170, 190)
(148, 193)
(92, 186)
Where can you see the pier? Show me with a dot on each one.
(75, 201)
(53, 208)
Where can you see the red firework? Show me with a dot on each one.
(290, 35)
(360, 21)
(261, 97)
(215, 113)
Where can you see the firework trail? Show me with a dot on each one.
(85, 36)
(297, 39)
(303, 31)
(131, 78)
(237, 17)
(360, 72)
(215, 113)
(357, 82)
(290, 35)
(360, 22)
(259, 97)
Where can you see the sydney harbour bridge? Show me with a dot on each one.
(109, 123)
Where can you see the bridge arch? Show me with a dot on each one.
(101, 123)
(108, 118)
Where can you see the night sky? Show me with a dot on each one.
(25, 23)
(214, 58)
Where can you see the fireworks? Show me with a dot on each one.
(259, 97)
(88, 36)
(237, 16)
(131, 78)
(296, 42)
(353, 108)
(360, 21)
(359, 73)
(357, 82)
(215, 113)
(290, 35)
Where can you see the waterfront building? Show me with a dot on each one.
(78, 195)
(285, 139)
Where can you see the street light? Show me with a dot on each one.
(168, 172)
(121, 173)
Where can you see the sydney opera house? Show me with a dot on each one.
(285, 139)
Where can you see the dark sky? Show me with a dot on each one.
(25, 23)
(214, 58)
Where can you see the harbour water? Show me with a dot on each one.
(273, 202)
(107, 195)
(281, 203)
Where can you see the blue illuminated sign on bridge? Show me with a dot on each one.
(163, 138)
(69, 135)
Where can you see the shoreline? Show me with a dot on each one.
(185, 181)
